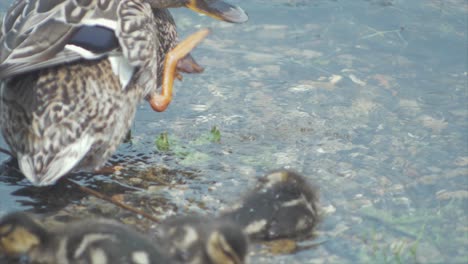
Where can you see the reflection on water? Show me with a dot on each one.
(368, 98)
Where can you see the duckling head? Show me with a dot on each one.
(227, 245)
(19, 234)
(282, 205)
(290, 184)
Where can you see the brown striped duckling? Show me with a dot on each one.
(282, 205)
(83, 242)
(203, 240)
(72, 73)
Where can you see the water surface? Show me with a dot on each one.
(365, 98)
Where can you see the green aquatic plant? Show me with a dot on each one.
(188, 151)
(215, 134)
(162, 142)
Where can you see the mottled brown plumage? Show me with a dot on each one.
(82, 103)
(74, 114)
(72, 73)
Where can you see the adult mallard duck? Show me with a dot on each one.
(86, 242)
(282, 205)
(73, 71)
(202, 240)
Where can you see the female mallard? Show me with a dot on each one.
(73, 71)
(86, 242)
(282, 205)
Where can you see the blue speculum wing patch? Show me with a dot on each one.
(96, 39)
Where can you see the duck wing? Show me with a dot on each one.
(36, 34)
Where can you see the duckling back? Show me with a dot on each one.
(283, 204)
(103, 241)
(202, 240)
(98, 241)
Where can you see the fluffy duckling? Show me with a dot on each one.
(282, 205)
(84, 242)
(203, 240)
(73, 72)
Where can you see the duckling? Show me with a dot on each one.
(84, 242)
(282, 205)
(202, 240)
(72, 73)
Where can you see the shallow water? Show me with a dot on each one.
(365, 98)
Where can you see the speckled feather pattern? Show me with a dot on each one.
(70, 102)
(91, 241)
(67, 111)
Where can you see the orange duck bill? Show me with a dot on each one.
(218, 9)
